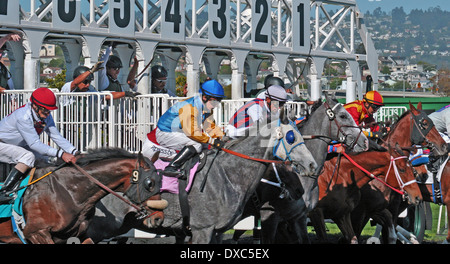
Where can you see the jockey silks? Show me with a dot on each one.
(190, 117)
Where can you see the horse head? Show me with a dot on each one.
(342, 126)
(144, 190)
(425, 133)
(288, 144)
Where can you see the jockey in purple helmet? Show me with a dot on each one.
(189, 124)
(257, 110)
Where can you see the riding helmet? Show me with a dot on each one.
(273, 81)
(80, 70)
(374, 97)
(212, 88)
(158, 72)
(44, 97)
(277, 93)
(114, 62)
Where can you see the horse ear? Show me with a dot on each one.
(412, 108)
(419, 106)
(283, 116)
(155, 157)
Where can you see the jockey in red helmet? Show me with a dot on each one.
(362, 112)
(20, 141)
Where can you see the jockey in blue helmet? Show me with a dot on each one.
(189, 124)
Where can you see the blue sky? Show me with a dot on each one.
(408, 5)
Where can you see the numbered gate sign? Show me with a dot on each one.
(121, 17)
(261, 24)
(66, 14)
(9, 12)
(173, 19)
(300, 26)
(219, 22)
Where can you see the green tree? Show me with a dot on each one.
(58, 81)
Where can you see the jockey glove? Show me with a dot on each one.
(218, 143)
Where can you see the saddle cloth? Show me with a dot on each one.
(170, 184)
(7, 209)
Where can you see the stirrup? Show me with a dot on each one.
(4, 199)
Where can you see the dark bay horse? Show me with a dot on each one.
(340, 188)
(231, 182)
(328, 121)
(413, 127)
(61, 205)
(428, 190)
(381, 203)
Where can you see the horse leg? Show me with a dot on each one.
(318, 221)
(269, 223)
(345, 225)
(203, 236)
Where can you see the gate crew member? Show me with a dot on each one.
(362, 112)
(6, 81)
(109, 71)
(257, 110)
(159, 80)
(19, 138)
(189, 124)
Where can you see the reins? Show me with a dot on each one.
(375, 177)
(229, 151)
(141, 210)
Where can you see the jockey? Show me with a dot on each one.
(441, 120)
(189, 124)
(19, 138)
(256, 110)
(362, 112)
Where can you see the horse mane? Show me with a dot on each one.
(104, 153)
(314, 107)
(395, 122)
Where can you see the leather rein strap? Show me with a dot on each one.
(255, 159)
(106, 188)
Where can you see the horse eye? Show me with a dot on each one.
(149, 184)
(343, 116)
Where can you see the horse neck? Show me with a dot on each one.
(401, 134)
(313, 127)
(111, 173)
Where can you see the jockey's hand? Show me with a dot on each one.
(378, 134)
(217, 143)
(97, 67)
(68, 158)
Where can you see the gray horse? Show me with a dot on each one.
(328, 121)
(231, 182)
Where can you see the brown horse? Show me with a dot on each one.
(428, 192)
(379, 202)
(412, 128)
(60, 205)
(339, 192)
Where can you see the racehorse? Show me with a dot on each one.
(381, 203)
(429, 192)
(418, 130)
(231, 182)
(60, 205)
(340, 185)
(327, 122)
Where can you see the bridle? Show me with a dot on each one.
(332, 117)
(420, 129)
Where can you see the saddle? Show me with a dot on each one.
(182, 183)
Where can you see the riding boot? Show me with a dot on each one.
(185, 153)
(12, 179)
